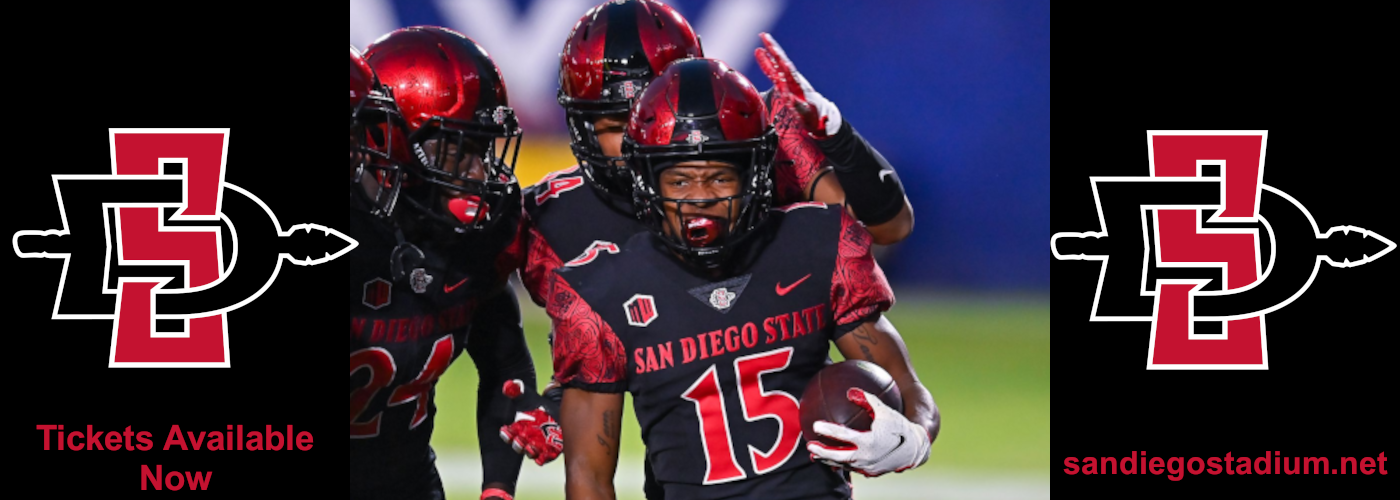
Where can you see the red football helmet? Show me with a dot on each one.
(701, 109)
(463, 134)
(376, 138)
(611, 55)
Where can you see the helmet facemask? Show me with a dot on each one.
(698, 233)
(464, 172)
(375, 177)
(610, 174)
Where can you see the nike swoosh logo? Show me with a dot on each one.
(783, 290)
(449, 289)
(885, 173)
(892, 450)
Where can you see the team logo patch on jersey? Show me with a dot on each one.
(377, 293)
(641, 310)
(720, 298)
(722, 295)
(419, 280)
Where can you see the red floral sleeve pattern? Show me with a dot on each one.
(858, 286)
(513, 256)
(799, 160)
(587, 354)
(540, 263)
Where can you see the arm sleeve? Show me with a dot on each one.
(587, 354)
(859, 290)
(540, 263)
(872, 187)
(497, 345)
(513, 256)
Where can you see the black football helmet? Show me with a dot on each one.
(463, 135)
(701, 110)
(611, 55)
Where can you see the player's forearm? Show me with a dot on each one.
(500, 464)
(827, 189)
(588, 477)
(896, 229)
(880, 343)
(579, 488)
(591, 424)
(872, 188)
(919, 407)
(498, 349)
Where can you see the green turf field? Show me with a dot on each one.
(986, 359)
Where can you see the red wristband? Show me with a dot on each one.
(496, 492)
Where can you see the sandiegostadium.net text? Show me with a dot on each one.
(1271, 462)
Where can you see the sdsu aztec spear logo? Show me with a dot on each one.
(1208, 248)
(164, 248)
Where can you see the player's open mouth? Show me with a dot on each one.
(468, 209)
(703, 231)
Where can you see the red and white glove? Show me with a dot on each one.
(819, 115)
(534, 432)
(893, 443)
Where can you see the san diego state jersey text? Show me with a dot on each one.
(716, 366)
(411, 307)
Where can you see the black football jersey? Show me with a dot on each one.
(568, 222)
(716, 364)
(411, 307)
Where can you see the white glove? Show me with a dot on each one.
(893, 443)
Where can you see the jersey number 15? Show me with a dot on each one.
(720, 464)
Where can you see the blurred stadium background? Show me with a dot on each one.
(956, 95)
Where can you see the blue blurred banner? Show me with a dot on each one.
(956, 95)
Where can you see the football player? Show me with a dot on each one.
(682, 316)
(575, 214)
(435, 207)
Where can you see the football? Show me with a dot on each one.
(825, 397)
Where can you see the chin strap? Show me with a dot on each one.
(405, 258)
